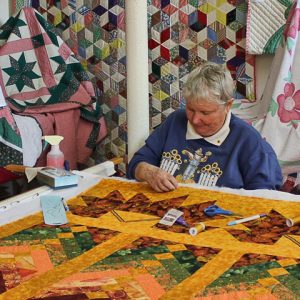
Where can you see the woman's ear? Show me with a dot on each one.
(229, 104)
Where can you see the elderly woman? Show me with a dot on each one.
(206, 143)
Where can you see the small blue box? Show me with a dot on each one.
(57, 178)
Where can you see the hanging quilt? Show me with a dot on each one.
(266, 20)
(181, 35)
(40, 75)
(279, 109)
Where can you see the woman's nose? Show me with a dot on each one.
(197, 118)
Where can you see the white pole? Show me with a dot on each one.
(137, 74)
(4, 12)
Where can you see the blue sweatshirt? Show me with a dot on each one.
(243, 160)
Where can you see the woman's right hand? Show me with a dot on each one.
(160, 180)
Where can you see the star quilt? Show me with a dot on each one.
(41, 76)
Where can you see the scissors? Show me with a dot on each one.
(214, 210)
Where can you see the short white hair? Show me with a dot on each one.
(210, 81)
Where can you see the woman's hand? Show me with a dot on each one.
(158, 179)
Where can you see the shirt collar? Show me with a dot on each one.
(217, 139)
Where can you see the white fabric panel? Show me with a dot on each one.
(31, 135)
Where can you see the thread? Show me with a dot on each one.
(182, 222)
(196, 229)
(292, 222)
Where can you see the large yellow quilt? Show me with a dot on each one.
(114, 248)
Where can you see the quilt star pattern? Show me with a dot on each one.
(114, 248)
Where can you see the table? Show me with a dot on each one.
(114, 248)
(27, 202)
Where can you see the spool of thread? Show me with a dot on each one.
(196, 229)
(292, 222)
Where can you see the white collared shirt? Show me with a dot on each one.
(216, 139)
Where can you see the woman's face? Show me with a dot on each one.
(207, 117)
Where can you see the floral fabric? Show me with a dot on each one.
(277, 114)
